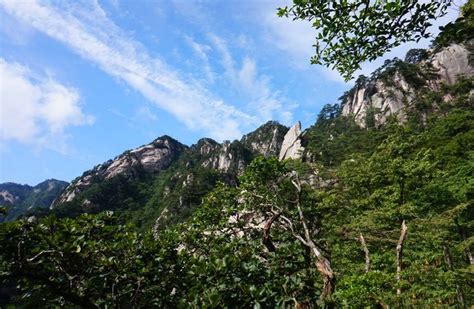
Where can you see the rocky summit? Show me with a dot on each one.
(150, 158)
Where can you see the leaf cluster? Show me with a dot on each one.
(351, 32)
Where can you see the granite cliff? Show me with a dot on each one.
(393, 88)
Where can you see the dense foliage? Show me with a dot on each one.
(374, 216)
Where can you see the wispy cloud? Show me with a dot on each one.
(295, 38)
(253, 86)
(86, 29)
(201, 50)
(37, 110)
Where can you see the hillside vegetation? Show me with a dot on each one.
(373, 215)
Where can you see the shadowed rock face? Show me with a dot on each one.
(390, 97)
(291, 147)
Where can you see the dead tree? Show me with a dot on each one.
(323, 264)
(401, 240)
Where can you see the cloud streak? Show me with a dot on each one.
(86, 29)
(201, 50)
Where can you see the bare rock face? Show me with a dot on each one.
(391, 96)
(151, 158)
(380, 97)
(6, 196)
(291, 147)
(452, 62)
(234, 156)
(266, 140)
(222, 157)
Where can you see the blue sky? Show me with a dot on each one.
(83, 81)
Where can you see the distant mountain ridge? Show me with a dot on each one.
(19, 199)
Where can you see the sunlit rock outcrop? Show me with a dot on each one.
(391, 90)
(291, 147)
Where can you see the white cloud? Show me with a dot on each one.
(293, 37)
(36, 110)
(254, 87)
(86, 29)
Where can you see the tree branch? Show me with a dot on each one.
(40, 254)
(267, 239)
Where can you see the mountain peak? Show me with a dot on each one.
(165, 138)
(266, 140)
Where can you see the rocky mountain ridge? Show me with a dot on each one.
(166, 153)
(150, 158)
(392, 89)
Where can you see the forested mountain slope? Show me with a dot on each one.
(165, 180)
(19, 199)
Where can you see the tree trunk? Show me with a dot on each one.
(322, 263)
(449, 263)
(366, 252)
(469, 256)
(467, 251)
(324, 267)
(401, 240)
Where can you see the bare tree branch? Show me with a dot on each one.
(322, 263)
(39, 254)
